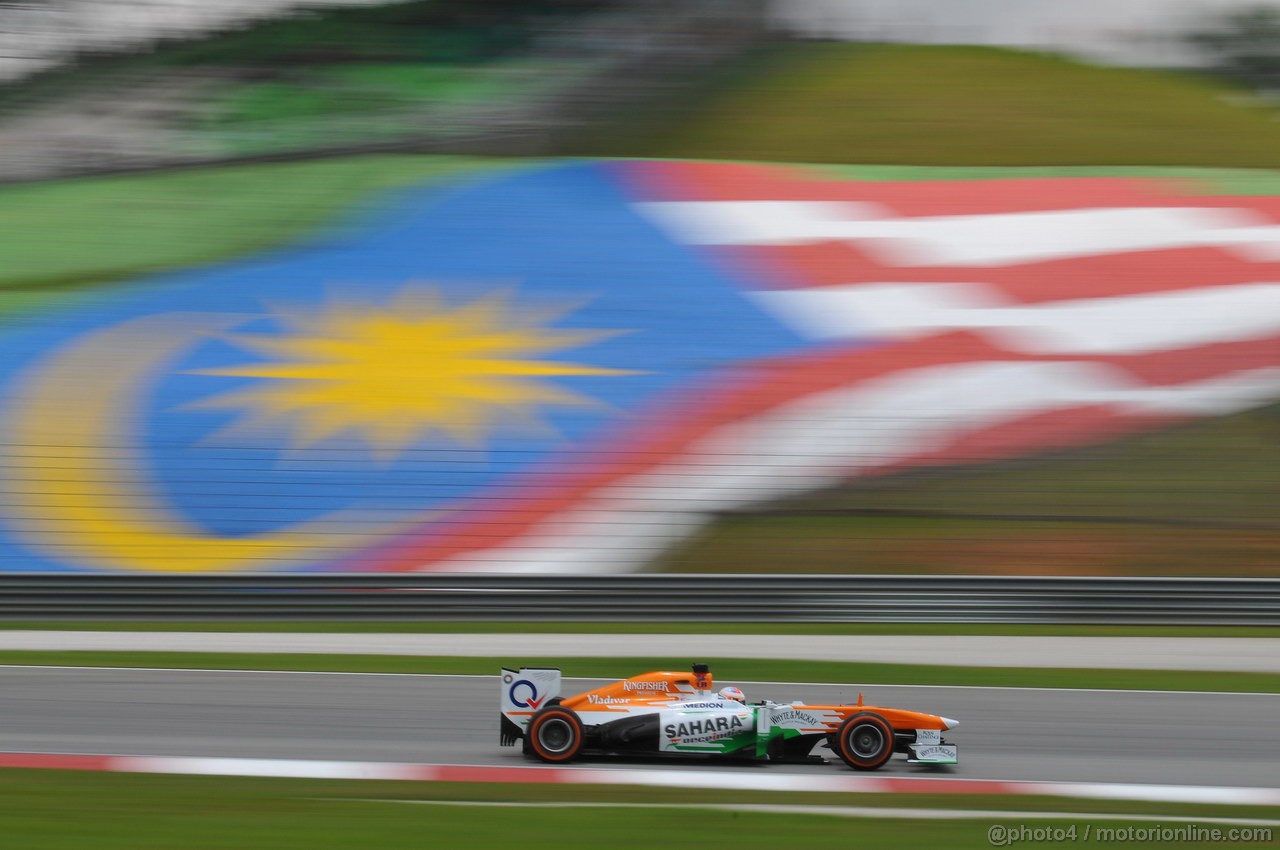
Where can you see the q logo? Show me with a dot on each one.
(531, 701)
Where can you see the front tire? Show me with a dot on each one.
(555, 735)
(865, 741)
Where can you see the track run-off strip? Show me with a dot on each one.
(713, 780)
(925, 686)
(1223, 654)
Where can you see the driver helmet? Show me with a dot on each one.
(734, 694)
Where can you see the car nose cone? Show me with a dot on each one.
(948, 723)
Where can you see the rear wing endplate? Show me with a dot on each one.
(524, 691)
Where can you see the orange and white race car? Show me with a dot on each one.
(682, 713)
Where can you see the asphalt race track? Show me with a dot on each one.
(1105, 736)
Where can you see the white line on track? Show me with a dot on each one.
(602, 678)
(835, 811)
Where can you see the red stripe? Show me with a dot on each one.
(1097, 276)
(1170, 368)
(56, 761)
(481, 773)
(702, 181)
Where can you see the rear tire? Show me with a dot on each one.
(865, 741)
(555, 735)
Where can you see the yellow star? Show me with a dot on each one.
(396, 373)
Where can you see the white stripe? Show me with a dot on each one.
(1205, 794)
(1012, 239)
(1216, 397)
(1133, 324)
(759, 222)
(967, 240)
(293, 768)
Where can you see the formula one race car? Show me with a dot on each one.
(681, 713)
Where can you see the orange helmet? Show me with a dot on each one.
(734, 694)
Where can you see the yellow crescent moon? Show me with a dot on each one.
(77, 492)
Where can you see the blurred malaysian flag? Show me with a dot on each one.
(573, 366)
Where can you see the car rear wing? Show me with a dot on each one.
(524, 691)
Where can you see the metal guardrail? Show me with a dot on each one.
(677, 598)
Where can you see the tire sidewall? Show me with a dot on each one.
(555, 712)
(845, 749)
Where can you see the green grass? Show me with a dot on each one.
(1196, 500)
(1219, 181)
(359, 88)
(363, 102)
(856, 674)
(669, 627)
(907, 545)
(59, 238)
(326, 78)
(54, 810)
(974, 106)
(417, 31)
